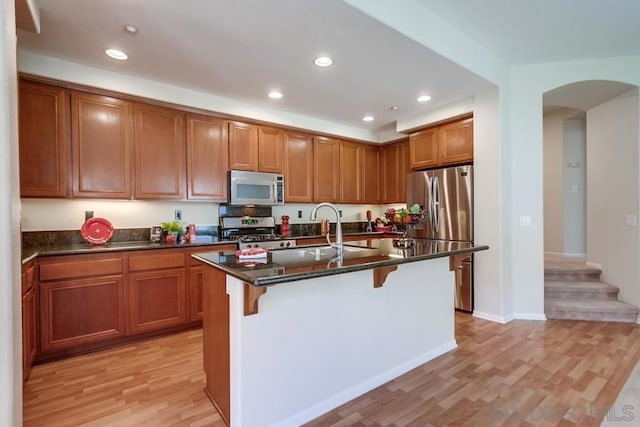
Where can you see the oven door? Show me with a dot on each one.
(255, 188)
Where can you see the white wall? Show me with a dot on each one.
(553, 136)
(10, 290)
(613, 184)
(574, 186)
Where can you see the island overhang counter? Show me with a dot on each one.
(328, 330)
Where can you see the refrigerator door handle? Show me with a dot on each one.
(432, 209)
(436, 204)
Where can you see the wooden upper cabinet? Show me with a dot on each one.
(405, 169)
(206, 158)
(455, 142)
(298, 167)
(370, 174)
(423, 149)
(444, 145)
(390, 168)
(270, 150)
(44, 140)
(101, 134)
(350, 172)
(159, 153)
(243, 146)
(326, 154)
(394, 167)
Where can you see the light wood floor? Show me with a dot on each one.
(157, 382)
(523, 373)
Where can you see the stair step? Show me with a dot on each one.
(590, 309)
(564, 274)
(580, 289)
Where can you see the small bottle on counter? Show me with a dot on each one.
(326, 227)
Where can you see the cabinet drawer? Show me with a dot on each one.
(74, 268)
(173, 259)
(27, 278)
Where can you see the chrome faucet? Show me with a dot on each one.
(314, 216)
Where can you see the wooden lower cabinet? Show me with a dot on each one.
(216, 341)
(156, 300)
(29, 332)
(81, 311)
(196, 277)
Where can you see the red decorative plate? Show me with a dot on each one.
(97, 231)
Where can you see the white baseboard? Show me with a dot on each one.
(594, 265)
(492, 317)
(510, 317)
(567, 254)
(344, 396)
(529, 316)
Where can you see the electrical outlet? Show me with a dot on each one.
(88, 215)
(525, 221)
(299, 214)
(178, 215)
(340, 212)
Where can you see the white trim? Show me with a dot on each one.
(530, 316)
(567, 254)
(336, 400)
(594, 265)
(493, 317)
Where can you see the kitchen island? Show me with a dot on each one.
(327, 330)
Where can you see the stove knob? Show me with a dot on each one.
(282, 244)
(288, 244)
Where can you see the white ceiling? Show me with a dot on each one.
(535, 31)
(242, 49)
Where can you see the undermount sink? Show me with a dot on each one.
(312, 253)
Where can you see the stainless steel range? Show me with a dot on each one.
(251, 227)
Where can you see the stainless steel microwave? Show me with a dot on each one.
(256, 188)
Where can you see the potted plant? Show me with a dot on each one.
(172, 231)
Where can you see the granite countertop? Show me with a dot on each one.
(286, 265)
(29, 253)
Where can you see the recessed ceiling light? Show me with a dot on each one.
(423, 98)
(323, 61)
(275, 94)
(393, 108)
(367, 119)
(116, 54)
(130, 28)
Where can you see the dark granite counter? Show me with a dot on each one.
(286, 265)
(29, 253)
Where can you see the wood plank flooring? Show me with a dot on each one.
(524, 373)
(157, 382)
(554, 373)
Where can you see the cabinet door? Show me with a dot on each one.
(270, 150)
(405, 169)
(390, 173)
(298, 164)
(350, 172)
(455, 142)
(243, 146)
(84, 311)
(44, 141)
(29, 332)
(156, 300)
(206, 158)
(370, 174)
(326, 154)
(159, 153)
(423, 149)
(196, 277)
(101, 146)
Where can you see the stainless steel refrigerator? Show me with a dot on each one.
(446, 195)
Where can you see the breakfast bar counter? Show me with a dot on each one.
(294, 335)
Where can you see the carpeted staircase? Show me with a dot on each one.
(573, 290)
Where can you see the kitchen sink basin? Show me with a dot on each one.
(315, 253)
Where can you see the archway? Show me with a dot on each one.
(591, 183)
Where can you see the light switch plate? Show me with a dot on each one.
(631, 220)
(525, 221)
